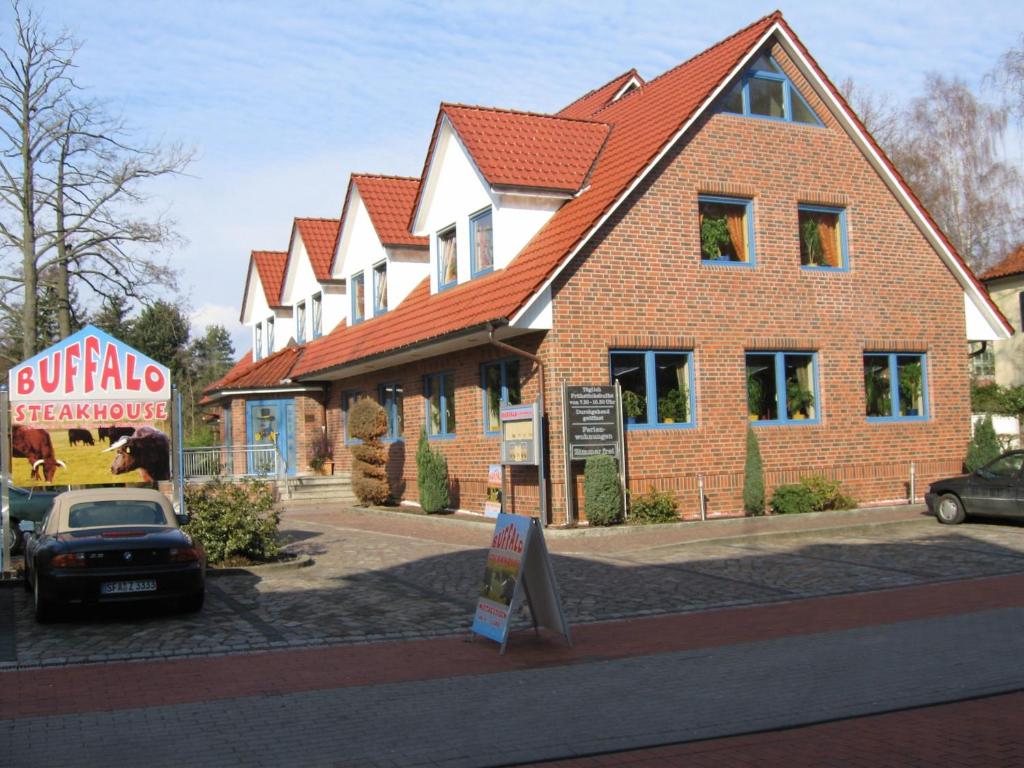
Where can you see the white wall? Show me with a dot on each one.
(300, 284)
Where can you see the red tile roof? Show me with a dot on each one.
(269, 372)
(1013, 264)
(389, 201)
(643, 124)
(243, 364)
(319, 236)
(270, 266)
(587, 105)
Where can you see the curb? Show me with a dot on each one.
(300, 561)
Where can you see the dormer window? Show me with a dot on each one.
(358, 299)
(317, 304)
(447, 258)
(380, 288)
(257, 347)
(481, 239)
(766, 91)
(300, 322)
(270, 335)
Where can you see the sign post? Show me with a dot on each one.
(592, 416)
(518, 566)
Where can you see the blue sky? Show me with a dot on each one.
(282, 100)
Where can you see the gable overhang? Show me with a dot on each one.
(633, 82)
(245, 291)
(288, 262)
(344, 222)
(973, 289)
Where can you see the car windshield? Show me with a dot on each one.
(95, 514)
(1004, 466)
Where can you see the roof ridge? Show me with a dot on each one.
(390, 176)
(525, 113)
(264, 250)
(631, 71)
(315, 218)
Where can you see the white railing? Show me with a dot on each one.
(226, 461)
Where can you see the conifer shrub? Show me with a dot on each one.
(753, 476)
(431, 476)
(234, 520)
(654, 507)
(368, 422)
(602, 491)
(984, 445)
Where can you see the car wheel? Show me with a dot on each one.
(43, 607)
(950, 510)
(192, 603)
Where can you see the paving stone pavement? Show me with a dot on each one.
(389, 578)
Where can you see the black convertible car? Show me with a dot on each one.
(112, 545)
(996, 490)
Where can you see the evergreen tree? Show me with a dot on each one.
(753, 476)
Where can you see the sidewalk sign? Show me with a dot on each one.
(592, 416)
(495, 484)
(518, 566)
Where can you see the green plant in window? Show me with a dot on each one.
(810, 234)
(714, 235)
(755, 396)
(910, 385)
(799, 400)
(634, 406)
(672, 408)
(876, 391)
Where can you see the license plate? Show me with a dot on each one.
(122, 587)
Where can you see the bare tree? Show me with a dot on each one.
(1008, 78)
(71, 186)
(881, 116)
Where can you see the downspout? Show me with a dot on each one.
(542, 473)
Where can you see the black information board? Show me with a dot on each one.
(593, 427)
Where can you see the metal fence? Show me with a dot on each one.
(233, 461)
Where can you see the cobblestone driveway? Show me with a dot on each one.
(370, 585)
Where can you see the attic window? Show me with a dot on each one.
(765, 91)
(380, 288)
(358, 299)
(481, 241)
(447, 259)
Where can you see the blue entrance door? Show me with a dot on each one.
(271, 422)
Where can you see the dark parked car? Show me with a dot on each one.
(112, 545)
(26, 504)
(996, 489)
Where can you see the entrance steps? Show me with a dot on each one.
(336, 488)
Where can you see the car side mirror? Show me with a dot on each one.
(27, 526)
(182, 519)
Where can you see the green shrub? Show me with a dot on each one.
(654, 507)
(368, 422)
(602, 491)
(753, 476)
(826, 494)
(792, 499)
(992, 398)
(234, 519)
(984, 445)
(431, 476)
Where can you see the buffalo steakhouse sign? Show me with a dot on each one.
(90, 378)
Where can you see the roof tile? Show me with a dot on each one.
(1013, 264)
(270, 267)
(319, 236)
(588, 104)
(389, 201)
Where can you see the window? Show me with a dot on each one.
(982, 360)
(257, 346)
(782, 387)
(358, 299)
(481, 242)
(822, 237)
(1003, 467)
(380, 288)
(726, 230)
(270, 335)
(447, 259)
(657, 388)
(439, 391)
(300, 322)
(348, 399)
(391, 397)
(317, 303)
(501, 386)
(895, 386)
(765, 91)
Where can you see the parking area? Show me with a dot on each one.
(389, 577)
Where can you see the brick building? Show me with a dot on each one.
(725, 240)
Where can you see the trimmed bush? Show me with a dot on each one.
(654, 507)
(431, 476)
(368, 422)
(825, 493)
(984, 445)
(603, 492)
(753, 476)
(792, 500)
(234, 519)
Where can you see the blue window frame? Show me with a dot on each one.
(895, 386)
(270, 336)
(300, 322)
(257, 346)
(391, 398)
(439, 393)
(765, 92)
(317, 306)
(447, 258)
(358, 298)
(823, 238)
(782, 388)
(380, 288)
(726, 229)
(501, 386)
(347, 400)
(657, 388)
(481, 243)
